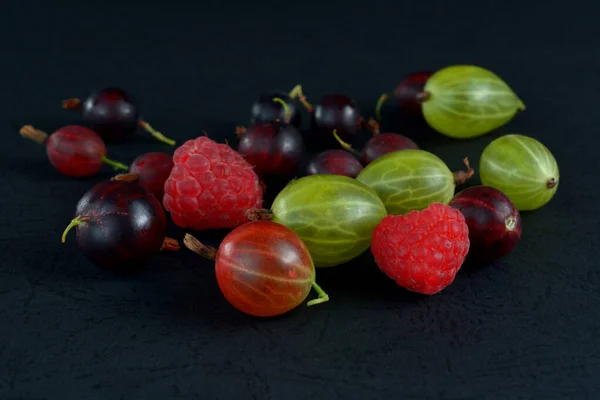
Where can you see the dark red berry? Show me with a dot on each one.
(335, 162)
(408, 93)
(120, 226)
(75, 151)
(494, 222)
(379, 144)
(113, 114)
(267, 110)
(151, 170)
(336, 112)
(272, 148)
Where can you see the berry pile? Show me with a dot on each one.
(392, 196)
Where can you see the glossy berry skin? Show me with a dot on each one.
(335, 162)
(76, 151)
(112, 113)
(211, 186)
(384, 143)
(408, 91)
(494, 222)
(126, 226)
(152, 170)
(272, 148)
(422, 250)
(266, 110)
(264, 269)
(335, 112)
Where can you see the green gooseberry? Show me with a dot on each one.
(466, 101)
(334, 215)
(522, 168)
(412, 180)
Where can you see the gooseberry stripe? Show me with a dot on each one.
(269, 277)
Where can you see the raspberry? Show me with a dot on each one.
(422, 250)
(210, 186)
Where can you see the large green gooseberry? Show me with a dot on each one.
(409, 180)
(334, 216)
(466, 101)
(522, 168)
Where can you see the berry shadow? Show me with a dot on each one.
(362, 279)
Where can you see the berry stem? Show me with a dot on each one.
(148, 128)
(73, 104)
(202, 250)
(74, 222)
(372, 126)
(323, 297)
(259, 214)
(286, 109)
(345, 146)
(461, 177)
(296, 93)
(29, 132)
(170, 244)
(115, 164)
(125, 177)
(240, 131)
(380, 102)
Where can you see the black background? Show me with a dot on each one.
(524, 328)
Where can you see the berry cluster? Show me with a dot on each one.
(391, 197)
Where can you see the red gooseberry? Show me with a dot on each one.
(151, 170)
(263, 268)
(494, 222)
(75, 151)
(379, 144)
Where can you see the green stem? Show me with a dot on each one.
(286, 109)
(323, 297)
(296, 93)
(345, 145)
(115, 164)
(148, 128)
(382, 99)
(74, 222)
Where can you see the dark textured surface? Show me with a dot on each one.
(523, 328)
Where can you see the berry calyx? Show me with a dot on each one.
(113, 114)
(297, 93)
(75, 151)
(461, 177)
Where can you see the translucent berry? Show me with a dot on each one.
(466, 101)
(210, 186)
(263, 268)
(272, 148)
(73, 150)
(522, 168)
(336, 162)
(120, 226)
(379, 144)
(408, 94)
(113, 114)
(412, 180)
(334, 215)
(494, 222)
(422, 250)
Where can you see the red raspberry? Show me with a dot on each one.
(210, 186)
(422, 250)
